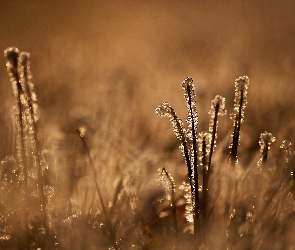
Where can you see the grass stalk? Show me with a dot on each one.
(241, 91)
(81, 132)
(28, 92)
(265, 141)
(192, 120)
(172, 194)
(11, 55)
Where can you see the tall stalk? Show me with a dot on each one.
(192, 120)
(11, 55)
(165, 109)
(204, 139)
(241, 91)
(170, 188)
(237, 116)
(217, 109)
(24, 71)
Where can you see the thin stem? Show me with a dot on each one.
(172, 201)
(26, 91)
(213, 139)
(205, 176)
(208, 171)
(23, 160)
(197, 223)
(236, 134)
(112, 234)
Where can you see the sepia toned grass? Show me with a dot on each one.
(63, 190)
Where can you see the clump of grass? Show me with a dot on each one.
(188, 146)
(28, 146)
(256, 211)
(235, 212)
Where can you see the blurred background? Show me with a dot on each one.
(109, 64)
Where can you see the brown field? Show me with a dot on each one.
(106, 66)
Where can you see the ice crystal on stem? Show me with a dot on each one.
(204, 149)
(204, 153)
(217, 109)
(241, 91)
(192, 120)
(265, 140)
(190, 97)
(25, 78)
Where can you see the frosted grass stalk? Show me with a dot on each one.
(30, 99)
(217, 109)
(192, 120)
(82, 132)
(167, 180)
(11, 55)
(237, 116)
(165, 109)
(204, 150)
(287, 151)
(265, 141)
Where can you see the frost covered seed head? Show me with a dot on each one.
(165, 109)
(188, 83)
(241, 83)
(265, 140)
(11, 56)
(241, 91)
(82, 131)
(220, 101)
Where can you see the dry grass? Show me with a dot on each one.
(98, 189)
